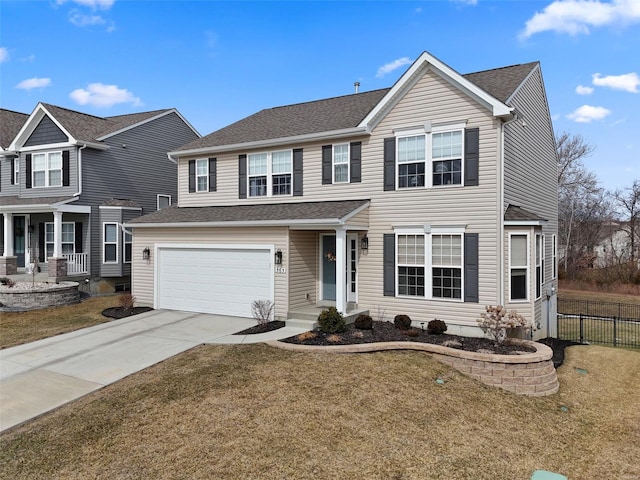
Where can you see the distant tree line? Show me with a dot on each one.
(597, 228)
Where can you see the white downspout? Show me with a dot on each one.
(80, 170)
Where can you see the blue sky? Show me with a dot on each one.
(217, 62)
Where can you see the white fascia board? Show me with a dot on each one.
(333, 134)
(498, 108)
(346, 218)
(30, 125)
(74, 209)
(524, 223)
(117, 207)
(317, 223)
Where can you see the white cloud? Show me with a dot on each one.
(587, 113)
(4, 54)
(466, 2)
(578, 16)
(34, 82)
(82, 20)
(629, 82)
(582, 90)
(390, 67)
(101, 95)
(95, 4)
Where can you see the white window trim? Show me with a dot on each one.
(269, 174)
(527, 268)
(46, 256)
(161, 195)
(105, 243)
(428, 232)
(333, 162)
(539, 263)
(554, 256)
(124, 246)
(46, 170)
(427, 131)
(205, 175)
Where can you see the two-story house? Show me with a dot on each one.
(432, 198)
(69, 181)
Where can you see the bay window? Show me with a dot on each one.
(519, 267)
(110, 243)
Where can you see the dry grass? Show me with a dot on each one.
(619, 293)
(250, 411)
(22, 327)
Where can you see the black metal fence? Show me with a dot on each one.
(607, 323)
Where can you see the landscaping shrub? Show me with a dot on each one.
(331, 321)
(7, 282)
(411, 332)
(364, 322)
(402, 322)
(262, 310)
(436, 327)
(127, 301)
(496, 321)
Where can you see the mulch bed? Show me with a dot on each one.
(386, 332)
(558, 346)
(119, 312)
(266, 327)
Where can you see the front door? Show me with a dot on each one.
(328, 252)
(19, 235)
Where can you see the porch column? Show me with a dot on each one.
(57, 234)
(8, 235)
(341, 274)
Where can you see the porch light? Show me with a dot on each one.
(146, 253)
(278, 257)
(30, 228)
(364, 243)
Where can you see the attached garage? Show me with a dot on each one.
(220, 279)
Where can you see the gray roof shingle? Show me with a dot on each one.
(277, 213)
(10, 124)
(516, 213)
(339, 112)
(14, 200)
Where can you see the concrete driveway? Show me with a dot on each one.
(40, 376)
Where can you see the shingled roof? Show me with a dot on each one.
(87, 127)
(340, 112)
(10, 124)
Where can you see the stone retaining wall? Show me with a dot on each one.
(63, 293)
(529, 374)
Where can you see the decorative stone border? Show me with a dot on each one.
(529, 374)
(63, 293)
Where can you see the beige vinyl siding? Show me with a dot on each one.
(302, 267)
(143, 279)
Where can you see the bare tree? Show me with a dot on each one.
(583, 206)
(627, 205)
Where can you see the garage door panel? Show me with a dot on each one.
(223, 281)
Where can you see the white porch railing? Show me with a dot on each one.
(76, 263)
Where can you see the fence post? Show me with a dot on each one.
(615, 333)
(581, 330)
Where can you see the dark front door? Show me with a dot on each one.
(19, 236)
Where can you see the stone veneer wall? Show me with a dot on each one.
(531, 374)
(64, 293)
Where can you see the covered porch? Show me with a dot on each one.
(44, 236)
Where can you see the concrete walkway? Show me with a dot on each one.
(40, 376)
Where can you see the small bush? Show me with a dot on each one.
(436, 327)
(495, 321)
(363, 322)
(127, 301)
(331, 321)
(7, 282)
(306, 336)
(402, 322)
(262, 311)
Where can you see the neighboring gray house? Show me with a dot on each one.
(68, 181)
(432, 198)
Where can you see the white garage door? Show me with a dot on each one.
(213, 280)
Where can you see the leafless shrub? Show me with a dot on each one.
(380, 314)
(127, 301)
(262, 310)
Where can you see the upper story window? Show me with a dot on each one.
(16, 172)
(430, 159)
(163, 201)
(202, 175)
(341, 163)
(269, 173)
(47, 169)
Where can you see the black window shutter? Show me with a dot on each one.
(65, 168)
(471, 156)
(471, 267)
(192, 176)
(389, 265)
(78, 232)
(242, 176)
(327, 164)
(389, 164)
(27, 172)
(41, 242)
(297, 172)
(13, 169)
(212, 174)
(356, 162)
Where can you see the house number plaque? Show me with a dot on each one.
(281, 270)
